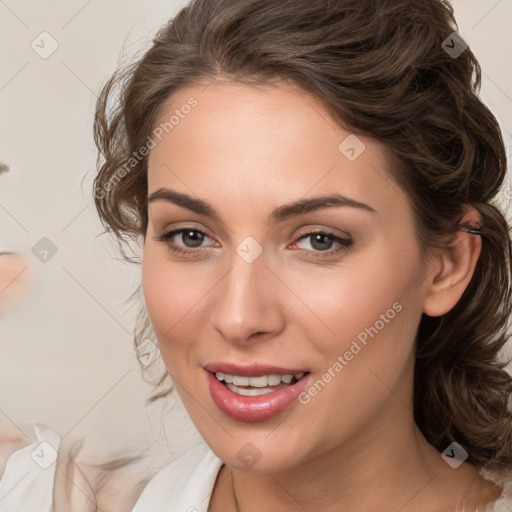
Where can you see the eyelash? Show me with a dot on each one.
(345, 243)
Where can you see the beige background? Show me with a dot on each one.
(66, 353)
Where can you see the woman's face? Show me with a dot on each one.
(333, 290)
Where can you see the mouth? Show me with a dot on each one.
(257, 386)
(256, 392)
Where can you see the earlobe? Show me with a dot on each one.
(454, 267)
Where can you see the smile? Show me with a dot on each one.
(257, 386)
(256, 392)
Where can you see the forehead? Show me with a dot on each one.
(274, 143)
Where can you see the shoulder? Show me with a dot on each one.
(184, 485)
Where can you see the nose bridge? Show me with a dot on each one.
(245, 302)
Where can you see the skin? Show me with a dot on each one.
(246, 151)
(10, 441)
(14, 278)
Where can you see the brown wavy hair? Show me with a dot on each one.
(382, 68)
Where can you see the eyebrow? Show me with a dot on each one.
(283, 212)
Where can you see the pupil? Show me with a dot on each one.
(319, 237)
(196, 237)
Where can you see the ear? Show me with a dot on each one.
(453, 268)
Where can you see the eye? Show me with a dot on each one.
(191, 239)
(321, 242)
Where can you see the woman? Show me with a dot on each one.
(323, 268)
(251, 134)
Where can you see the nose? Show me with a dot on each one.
(247, 303)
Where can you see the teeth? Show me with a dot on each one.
(240, 381)
(257, 382)
(273, 380)
(248, 392)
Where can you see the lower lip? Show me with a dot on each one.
(253, 408)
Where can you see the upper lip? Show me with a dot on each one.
(252, 370)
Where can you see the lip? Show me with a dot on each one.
(254, 408)
(252, 370)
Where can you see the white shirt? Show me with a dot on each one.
(27, 482)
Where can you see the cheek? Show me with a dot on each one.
(373, 307)
(370, 294)
(172, 294)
